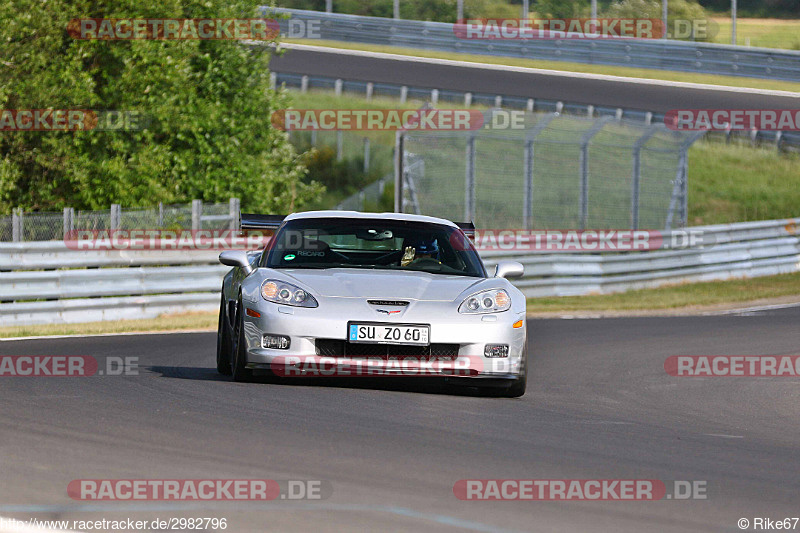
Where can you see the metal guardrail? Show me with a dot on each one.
(748, 249)
(46, 282)
(657, 54)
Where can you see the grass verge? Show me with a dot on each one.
(611, 70)
(687, 296)
(175, 322)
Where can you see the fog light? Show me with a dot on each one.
(276, 342)
(495, 350)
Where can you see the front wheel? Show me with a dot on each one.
(239, 367)
(223, 342)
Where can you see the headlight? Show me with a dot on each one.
(280, 292)
(492, 301)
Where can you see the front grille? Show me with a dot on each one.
(340, 348)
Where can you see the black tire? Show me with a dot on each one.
(239, 365)
(223, 342)
(517, 387)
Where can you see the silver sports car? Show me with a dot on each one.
(338, 293)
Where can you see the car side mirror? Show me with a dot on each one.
(236, 258)
(509, 270)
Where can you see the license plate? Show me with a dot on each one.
(388, 333)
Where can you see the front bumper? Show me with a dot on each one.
(466, 334)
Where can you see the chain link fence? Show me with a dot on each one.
(554, 171)
(48, 226)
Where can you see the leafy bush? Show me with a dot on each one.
(209, 104)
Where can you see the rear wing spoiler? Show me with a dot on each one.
(253, 221)
(468, 228)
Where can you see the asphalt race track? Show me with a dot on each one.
(599, 406)
(565, 87)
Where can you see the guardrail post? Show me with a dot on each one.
(590, 111)
(403, 94)
(366, 155)
(467, 99)
(69, 220)
(498, 101)
(337, 87)
(584, 166)
(17, 234)
(234, 206)
(370, 89)
(778, 139)
(530, 105)
(469, 181)
(434, 97)
(399, 149)
(116, 216)
(304, 84)
(197, 214)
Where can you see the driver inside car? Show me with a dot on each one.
(421, 253)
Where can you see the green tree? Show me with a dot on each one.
(209, 104)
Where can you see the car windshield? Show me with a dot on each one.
(373, 244)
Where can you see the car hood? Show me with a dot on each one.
(350, 283)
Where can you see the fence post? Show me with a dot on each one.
(528, 165)
(636, 176)
(434, 97)
(17, 235)
(197, 214)
(337, 87)
(234, 206)
(304, 84)
(370, 89)
(399, 149)
(584, 166)
(160, 214)
(339, 145)
(469, 181)
(467, 99)
(403, 94)
(314, 138)
(116, 215)
(366, 155)
(69, 220)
